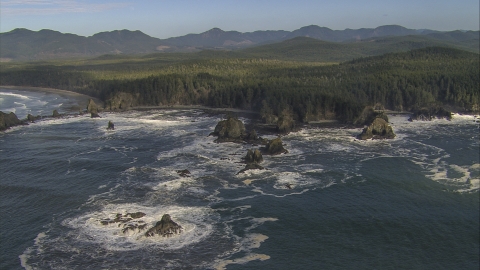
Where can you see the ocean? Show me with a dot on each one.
(407, 203)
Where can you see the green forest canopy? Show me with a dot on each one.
(310, 90)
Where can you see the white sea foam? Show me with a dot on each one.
(14, 95)
(192, 219)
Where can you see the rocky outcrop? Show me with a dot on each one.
(229, 130)
(31, 118)
(92, 107)
(378, 129)
(119, 218)
(253, 158)
(8, 120)
(128, 222)
(166, 227)
(121, 101)
(275, 147)
(428, 114)
(94, 115)
(285, 122)
(368, 116)
(110, 126)
(55, 114)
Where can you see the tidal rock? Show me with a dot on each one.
(275, 147)
(184, 173)
(8, 120)
(253, 156)
(379, 129)
(110, 126)
(31, 118)
(119, 218)
(92, 107)
(251, 166)
(428, 114)
(94, 115)
(231, 129)
(166, 227)
(56, 114)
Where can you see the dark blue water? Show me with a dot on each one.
(408, 203)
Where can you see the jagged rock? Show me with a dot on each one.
(121, 101)
(94, 115)
(92, 107)
(32, 118)
(166, 227)
(379, 129)
(254, 156)
(110, 126)
(275, 147)
(428, 114)
(368, 116)
(231, 129)
(184, 173)
(56, 114)
(8, 120)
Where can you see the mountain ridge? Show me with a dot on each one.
(23, 44)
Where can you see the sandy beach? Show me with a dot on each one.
(80, 98)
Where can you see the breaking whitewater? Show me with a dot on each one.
(331, 202)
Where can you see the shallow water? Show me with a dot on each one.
(411, 202)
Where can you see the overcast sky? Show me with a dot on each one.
(168, 18)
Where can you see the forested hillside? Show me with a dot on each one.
(308, 90)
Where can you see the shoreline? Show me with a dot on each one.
(61, 92)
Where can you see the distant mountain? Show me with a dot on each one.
(23, 44)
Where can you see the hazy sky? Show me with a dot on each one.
(167, 18)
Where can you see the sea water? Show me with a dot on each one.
(407, 203)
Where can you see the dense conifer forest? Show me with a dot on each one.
(308, 90)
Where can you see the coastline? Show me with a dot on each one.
(79, 97)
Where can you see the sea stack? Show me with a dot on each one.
(378, 129)
(110, 126)
(166, 227)
(229, 130)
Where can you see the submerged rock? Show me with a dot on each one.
(275, 147)
(94, 115)
(56, 114)
(119, 218)
(166, 227)
(8, 120)
(110, 126)
(379, 129)
(184, 173)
